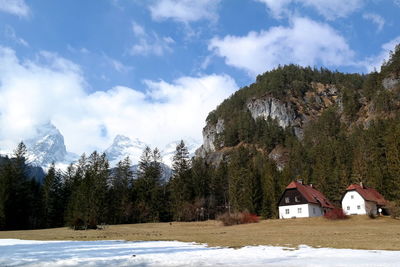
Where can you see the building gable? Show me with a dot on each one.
(309, 195)
(292, 197)
(367, 193)
(353, 203)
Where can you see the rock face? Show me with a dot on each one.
(288, 111)
(47, 146)
(390, 83)
(210, 133)
(283, 112)
(280, 155)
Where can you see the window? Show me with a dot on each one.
(296, 199)
(298, 210)
(313, 210)
(348, 207)
(352, 196)
(286, 211)
(358, 207)
(286, 199)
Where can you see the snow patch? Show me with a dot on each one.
(14, 252)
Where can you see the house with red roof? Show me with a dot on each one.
(300, 201)
(360, 199)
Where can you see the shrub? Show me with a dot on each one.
(394, 209)
(237, 218)
(336, 214)
(250, 218)
(78, 224)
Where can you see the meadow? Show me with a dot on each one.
(357, 232)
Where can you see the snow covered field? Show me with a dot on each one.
(14, 252)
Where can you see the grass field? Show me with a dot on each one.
(358, 232)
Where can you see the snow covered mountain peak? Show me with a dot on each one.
(47, 146)
(169, 150)
(124, 141)
(122, 147)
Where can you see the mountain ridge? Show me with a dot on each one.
(47, 146)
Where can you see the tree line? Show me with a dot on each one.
(89, 192)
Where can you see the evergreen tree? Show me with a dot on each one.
(52, 197)
(181, 182)
(119, 197)
(147, 188)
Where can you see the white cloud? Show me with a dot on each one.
(304, 42)
(378, 20)
(329, 9)
(11, 35)
(149, 43)
(375, 62)
(15, 7)
(138, 30)
(116, 64)
(277, 8)
(185, 11)
(52, 88)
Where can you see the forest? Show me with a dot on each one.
(336, 149)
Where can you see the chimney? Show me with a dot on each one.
(311, 185)
(361, 184)
(300, 181)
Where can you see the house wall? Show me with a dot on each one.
(307, 210)
(315, 210)
(354, 204)
(371, 207)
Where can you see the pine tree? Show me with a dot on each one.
(87, 203)
(95, 188)
(119, 199)
(147, 188)
(181, 182)
(5, 184)
(52, 198)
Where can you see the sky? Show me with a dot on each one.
(154, 69)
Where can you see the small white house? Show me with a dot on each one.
(360, 199)
(300, 201)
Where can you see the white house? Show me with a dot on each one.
(299, 201)
(360, 199)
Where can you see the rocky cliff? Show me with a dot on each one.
(292, 108)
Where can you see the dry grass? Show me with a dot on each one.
(359, 232)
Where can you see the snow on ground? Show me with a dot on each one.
(14, 252)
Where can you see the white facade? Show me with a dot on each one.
(300, 211)
(354, 204)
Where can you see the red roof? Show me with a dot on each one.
(368, 193)
(311, 194)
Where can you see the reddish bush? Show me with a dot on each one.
(250, 218)
(336, 214)
(237, 218)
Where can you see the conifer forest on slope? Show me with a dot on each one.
(347, 136)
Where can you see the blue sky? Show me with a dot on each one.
(153, 69)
